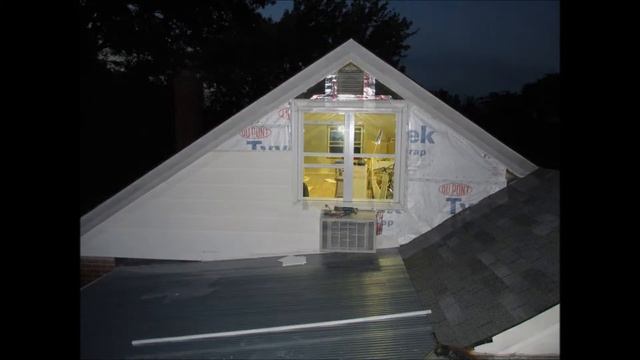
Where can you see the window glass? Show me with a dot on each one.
(373, 178)
(335, 160)
(336, 139)
(372, 160)
(320, 117)
(378, 133)
(324, 132)
(323, 182)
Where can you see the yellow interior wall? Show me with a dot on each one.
(321, 182)
(316, 136)
(372, 124)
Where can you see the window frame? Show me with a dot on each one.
(349, 108)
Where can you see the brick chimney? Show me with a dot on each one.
(188, 102)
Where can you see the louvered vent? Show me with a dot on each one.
(350, 80)
(348, 234)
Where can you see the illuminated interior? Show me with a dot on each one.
(324, 137)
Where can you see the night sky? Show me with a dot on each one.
(476, 47)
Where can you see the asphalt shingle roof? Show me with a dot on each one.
(493, 265)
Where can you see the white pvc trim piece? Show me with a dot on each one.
(347, 186)
(95, 280)
(278, 328)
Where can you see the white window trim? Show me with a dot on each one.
(399, 107)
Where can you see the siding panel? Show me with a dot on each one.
(226, 205)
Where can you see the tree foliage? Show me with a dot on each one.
(527, 121)
(237, 53)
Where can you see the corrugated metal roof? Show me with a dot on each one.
(142, 302)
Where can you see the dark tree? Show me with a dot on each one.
(232, 49)
(251, 63)
(132, 52)
(528, 121)
(314, 27)
(157, 39)
(452, 100)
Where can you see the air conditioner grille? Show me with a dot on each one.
(348, 235)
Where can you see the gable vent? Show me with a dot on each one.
(350, 80)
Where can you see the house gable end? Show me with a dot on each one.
(348, 52)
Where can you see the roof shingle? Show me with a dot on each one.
(493, 265)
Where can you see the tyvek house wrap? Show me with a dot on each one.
(236, 201)
(446, 173)
(271, 133)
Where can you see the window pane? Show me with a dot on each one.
(323, 160)
(336, 139)
(378, 133)
(315, 138)
(324, 132)
(321, 117)
(373, 178)
(323, 183)
(357, 139)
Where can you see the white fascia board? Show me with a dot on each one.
(288, 90)
(537, 335)
(413, 92)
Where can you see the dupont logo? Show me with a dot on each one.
(255, 132)
(284, 113)
(455, 189)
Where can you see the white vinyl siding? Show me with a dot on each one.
(226, 205)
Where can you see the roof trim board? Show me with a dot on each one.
(350, 51)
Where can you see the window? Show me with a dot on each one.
(349, 154)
